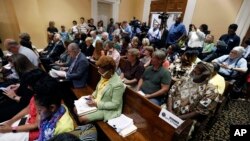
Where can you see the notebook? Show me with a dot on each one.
(82, 107)
(56, 73)
(123, 125)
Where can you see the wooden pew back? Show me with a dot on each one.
(143, 112)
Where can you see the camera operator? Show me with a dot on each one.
(136, 27)
(163, 31)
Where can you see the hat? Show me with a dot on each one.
(207, 66)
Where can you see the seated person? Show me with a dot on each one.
(65, 60)
(13, 47)
(52, 53)
(108, 94)
(99, 51)
(217, 80)
(54, 117)
(173, 53)
(88, 49)
(133, 68)
(78, 70)
(208, 46)
(194, 96)
(29, 130)
(112, 52)
(232, 65)
(147, 56)
(17, 96)
(155, 80)
(182, 67)
(65, 137)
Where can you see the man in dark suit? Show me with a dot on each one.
(52, 52)
(78, 70)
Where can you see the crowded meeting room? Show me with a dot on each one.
(124, 70)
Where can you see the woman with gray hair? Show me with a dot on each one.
(132, 69)
(232, 65)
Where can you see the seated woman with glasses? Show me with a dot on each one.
(108, 94)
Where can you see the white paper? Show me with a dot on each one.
(120, 122)
(82, 107)
(170, 118)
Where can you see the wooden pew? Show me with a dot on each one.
(143, 112)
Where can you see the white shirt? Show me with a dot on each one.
(154, 34)
(75, 29)
(29, 54)
(84, 28)
(196, 39)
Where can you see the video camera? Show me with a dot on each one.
(164, 17)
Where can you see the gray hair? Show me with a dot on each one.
(74, 47)
(106, 34)
(239, 49)
(160, 55)
(134, 52)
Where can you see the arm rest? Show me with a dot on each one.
(181, 133)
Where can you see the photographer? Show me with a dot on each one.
(136, 27)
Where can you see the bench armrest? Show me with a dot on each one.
(181, 133)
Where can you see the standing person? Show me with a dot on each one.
(196, 38)
(64, 34)
(83, 26)
(231, 39)
(110, 28)
(176, 32)
(117, 30)
(154, 34)
(91, 25)
(51, 30)
(126, 29)
(74, 29)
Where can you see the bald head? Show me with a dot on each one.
(73, 50)
(11, 45)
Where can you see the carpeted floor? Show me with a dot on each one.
(238, 112)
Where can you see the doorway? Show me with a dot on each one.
(104, 12)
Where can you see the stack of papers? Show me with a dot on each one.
(82, 107)
(123, 125)
(57, 73)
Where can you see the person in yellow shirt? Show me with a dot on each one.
(54, 117)
(217, 80)
(108, 94)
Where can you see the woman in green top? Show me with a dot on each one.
(207, 46)
(108, 94)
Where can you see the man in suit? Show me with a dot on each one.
(78, 70)
(52, 52)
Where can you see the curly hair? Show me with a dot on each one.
(107, 63)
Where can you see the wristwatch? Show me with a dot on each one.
(14, 129)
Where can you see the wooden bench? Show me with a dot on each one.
(143, 112)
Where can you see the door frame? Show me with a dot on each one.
(115, 9)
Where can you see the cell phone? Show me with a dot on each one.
(22, 121)
(87, 98)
